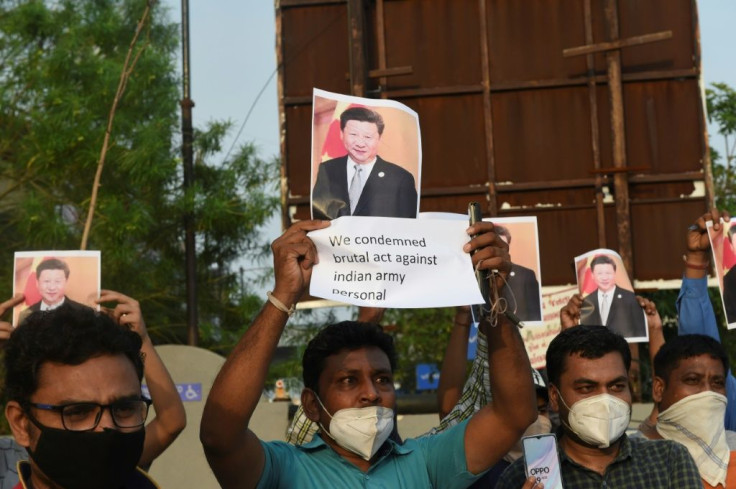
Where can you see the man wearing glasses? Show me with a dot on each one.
(73, 382)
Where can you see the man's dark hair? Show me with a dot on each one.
(679, 348)
(602, 260)
(503, 231)
(587, 341)
(66, 335)
(346, 335)
(52, 264)
(362, 114)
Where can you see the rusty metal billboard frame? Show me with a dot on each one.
(543, 108)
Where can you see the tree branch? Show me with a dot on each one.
(124, 75)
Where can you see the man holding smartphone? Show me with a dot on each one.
(588, 368)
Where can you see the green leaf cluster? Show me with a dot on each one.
(60, 63)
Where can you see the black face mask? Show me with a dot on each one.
(88, 459)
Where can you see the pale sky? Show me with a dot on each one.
(233, 56)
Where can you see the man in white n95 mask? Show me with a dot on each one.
(589, 386)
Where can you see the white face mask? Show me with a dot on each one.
(703, 433)
(598, 420)
(360, 430)
(539, 427)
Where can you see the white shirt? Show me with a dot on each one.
(366, 167)
(46, 307)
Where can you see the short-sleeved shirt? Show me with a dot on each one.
(640, 464)
(428, 462)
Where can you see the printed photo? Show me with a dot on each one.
(608, 296)
(50, 279)
(366, 157)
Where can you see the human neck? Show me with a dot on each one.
(596, 459)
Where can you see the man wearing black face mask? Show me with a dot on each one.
(73, 380)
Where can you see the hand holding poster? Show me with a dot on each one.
(394, 263)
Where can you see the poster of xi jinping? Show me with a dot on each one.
(366, 157)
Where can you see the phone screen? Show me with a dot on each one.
(541, 460)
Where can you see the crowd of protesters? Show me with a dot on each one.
(78, 417)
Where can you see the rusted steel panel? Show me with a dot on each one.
(659, 236)
(527, 39)
(661, 125)
(524, 121)
(438, 38)
(453, 150)
(315, 49)
(542, 134)
(299, 130)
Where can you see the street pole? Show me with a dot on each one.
(187, 152)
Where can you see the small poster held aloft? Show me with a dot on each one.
(522, 293)
(608, 296)
(49, 279)
(723, 246)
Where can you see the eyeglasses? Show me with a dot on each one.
(85, 416)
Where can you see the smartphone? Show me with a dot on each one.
(541, 459)
(475, 215)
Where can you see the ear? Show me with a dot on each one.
(19, 423)
(554, 398)
(658, 385)
(310, 404)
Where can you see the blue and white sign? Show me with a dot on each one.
(473, 341)
(428, 376)
(187, 392)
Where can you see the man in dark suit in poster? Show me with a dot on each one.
(51, 278)
(613, 307)
(361, 183)
(522, 292)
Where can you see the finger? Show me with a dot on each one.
(303, 227)
(11, 303)
(113, 296)
(531, 483)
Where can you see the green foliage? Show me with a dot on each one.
(721, 104)
(420, 336)
(60, 63)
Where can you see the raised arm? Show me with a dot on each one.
(493, 430)
(170, 417)
(694, 309)
(570, 312)
(654, 325)
(233, 451)
(454, 365)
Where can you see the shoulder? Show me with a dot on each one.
(521, 271)
(627, 294)
(394, 169)
(74, 304)
(643, 448)
(333, 163)
(141, 480)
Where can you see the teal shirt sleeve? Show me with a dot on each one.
(696, 316)
(444, 454)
